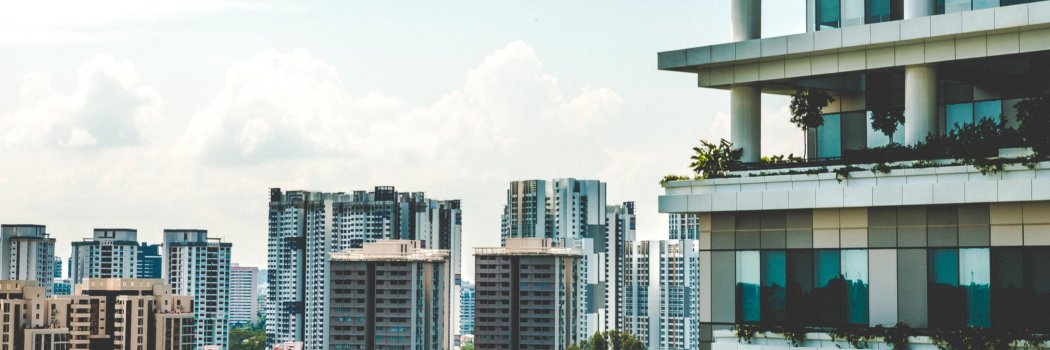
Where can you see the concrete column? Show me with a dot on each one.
(918, 8)
(920, 103)
(747, 19)
(745, 101)
(745, 122)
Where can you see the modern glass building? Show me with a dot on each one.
(931, 244)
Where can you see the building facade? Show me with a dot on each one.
(620, 233)
(150, 263)
(932, 244)
(390, 294)
(58, 268)
(62, 287)
(199, 266)
(110, 253)
(244, 305)
(307, 226)
(466, 308)
(526, 295)
(31, 320)
(572, 213)
(28, 254)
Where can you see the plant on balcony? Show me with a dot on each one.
(807, 110)
(1034, 115)
(896, 336)
(857, 336)
(795, 334)
(745, 332)
(782, 159)
(672, 177)
(711, 160)
(970, 338)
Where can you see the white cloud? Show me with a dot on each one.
(109, 107)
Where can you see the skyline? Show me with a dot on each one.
(516, 89)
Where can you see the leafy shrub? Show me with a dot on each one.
(711, 160)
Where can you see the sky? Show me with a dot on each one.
(182, 114)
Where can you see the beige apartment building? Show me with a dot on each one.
(123, 314)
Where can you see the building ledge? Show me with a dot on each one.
(963, 35)
(863, 188)
(727, 340)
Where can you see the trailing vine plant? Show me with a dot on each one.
(745, 332)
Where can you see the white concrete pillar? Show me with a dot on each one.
(918, 8)
(745, 101)
(920, 103)
(745, 122)
(747, 19)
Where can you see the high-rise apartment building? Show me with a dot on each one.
(572, 213)
(306, 226)
(466, 308)
(243, 302)
(684, 226)
(58, 268)
(62, 287)
(199, 266)
(661, 290)
(620, 232)
(390, 294)
(123, 314)
(930, 243)
(110, 253)
(28, 253)
(526, 295)
(150, 263)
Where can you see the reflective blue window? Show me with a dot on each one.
(878, 139)
(855, 274)
(748, 282)
(852, 12)
(829, 140)
(877, 11)
(957, 115)
(828, 287)
(983, 4)
(956, 5)
(774, 281)
(975, 279)
(991, 109)
(828, 13)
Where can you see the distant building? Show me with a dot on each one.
(661, 287)
(620, 232)
(244, 305)
(103, 314)
(150, 263)
(306, 226)
(390, 294)
(526, 295)
(572, 213)
(62, 287)
(110, 253)
(199, 266)
(58, 268)
(466, 308)
(27, 252)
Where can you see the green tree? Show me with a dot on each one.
(598, 342)
(470, 346)
(574, 347)
(247, 339)
(1034, 115)
(807, 110)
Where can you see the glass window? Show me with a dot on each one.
(774, 280)
(878, 139)
(975, 279)
(829, 142)
(991, 109)
(828, 14)
(828, 287)
(1037, 286)
(800, 286)
(956, 5)
(877, 11)
(1008, 296)
(958, 114)
(855, 274)
(944, 307)
(748, 274)
(852, 12)
(983, 4)
(854, 126)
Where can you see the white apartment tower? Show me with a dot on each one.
(110, 253)
(661, 291)
(306, 226)
(199, 266)
(244, 305)
(28, 254)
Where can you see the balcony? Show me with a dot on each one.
(728, 340)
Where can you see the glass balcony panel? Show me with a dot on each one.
(852, 12)
(951, 6)
(828, 14)
(829, 137)
(983, 4)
